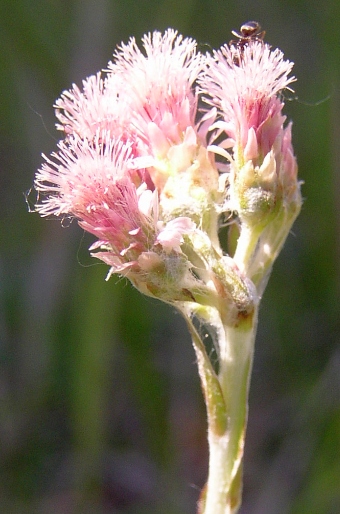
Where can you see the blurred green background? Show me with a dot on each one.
(100, 405)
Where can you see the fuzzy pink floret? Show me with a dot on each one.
(246, 94)
(171, 236)
(159, 82)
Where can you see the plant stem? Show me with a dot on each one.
(224, 486)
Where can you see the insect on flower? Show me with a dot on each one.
(249, 31)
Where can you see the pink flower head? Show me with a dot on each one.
(98, 183)
(158, 84)
(244, 86)
(245, 92)
(77, 181)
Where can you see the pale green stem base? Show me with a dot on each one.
(226, 394)
(223, 492)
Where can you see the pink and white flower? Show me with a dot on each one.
(97, 183)
(159, 85)
(247, 94)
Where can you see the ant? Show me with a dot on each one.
(250, 31)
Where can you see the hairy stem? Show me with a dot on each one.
(223, 492)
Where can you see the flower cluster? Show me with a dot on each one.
(137, 165)
(161, 150)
